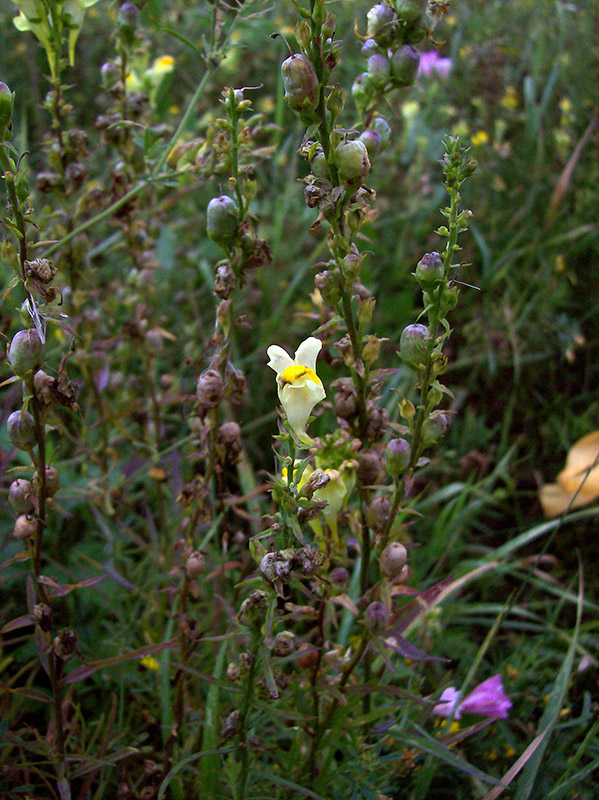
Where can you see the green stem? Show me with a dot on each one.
(310, 762)
(248, 696)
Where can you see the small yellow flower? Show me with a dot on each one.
(162, 65)
(298, 386)
(578, 484)
(149, 662)
(510, 98)
(479, 138)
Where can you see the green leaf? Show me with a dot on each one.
(552, 710)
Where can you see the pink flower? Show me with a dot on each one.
(431, 61)
(488, 699)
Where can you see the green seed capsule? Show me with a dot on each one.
(430, 269)
(222, 219)
(382, 24)
(300, 83)
(21, 430)
(404, 65)
(26, 352)
(7, 101)
(410, 11)
(352, 160)
(413, 344)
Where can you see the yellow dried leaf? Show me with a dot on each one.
(556, 500)
(582, 466)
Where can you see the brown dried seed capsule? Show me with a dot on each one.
(284, 644)
(52, 481)
(376, 617)
(393, 559)
(195, 565)
(43, 616)
(25, 527)
(229, 437)
(307, 655)
(346, 400)
(224, 281)
(43, 386)
(371, 468)
(20, 496)
(65, 644)
(210, 389)
(378, 513)
(378, 419)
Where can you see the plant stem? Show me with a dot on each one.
(248, 696)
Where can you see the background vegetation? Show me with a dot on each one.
(136, 453)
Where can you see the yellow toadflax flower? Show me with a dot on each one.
(578, 484)
(298, 386)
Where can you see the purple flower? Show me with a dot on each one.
(488, 699)
(431, 61)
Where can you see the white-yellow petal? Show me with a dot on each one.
(279, 358)
(298, 400)
(582, 465)
(556, 500)
(308, 351)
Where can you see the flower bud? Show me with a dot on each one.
(376, 617)
(372, 140)
(382, 24)
(382, 127)
(378, 513)
(222, 219)
(410, 11)
(21, 430)
(26, 352)
(210, 389)
(379, 69)
(362, 90)
(284, 644)
(404, 65)
(371, 468)
(25, 527)
(398, 454)
(194, 564)
(7, 101)
(339, 577)
(413, 344)
(352, 160)
(109, 74)
(52, 481)
(430, 269)
(128, 20)
(300, 83)
(434, 427)
(393, 559)
(20, 496)
(369, 48)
